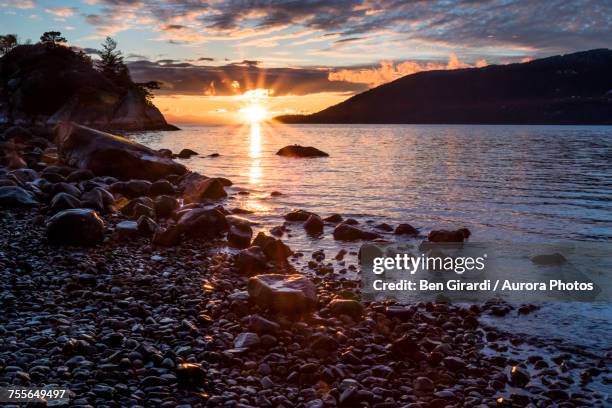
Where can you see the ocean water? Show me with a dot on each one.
(537, 184)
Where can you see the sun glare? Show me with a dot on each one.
(255, 111)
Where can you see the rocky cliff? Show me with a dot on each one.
(42, 84)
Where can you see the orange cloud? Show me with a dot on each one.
(389, 71)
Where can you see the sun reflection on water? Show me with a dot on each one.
(255, 172)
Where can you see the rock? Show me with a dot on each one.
(131, 188)
(239, 235)
(448, 236)
(301, 151)
(80, 175)
(549, 259)
(18, 133)
(128, 209)
(186, 153)
(146, 226)
(64, 201)
(349, 307)
(251, 260)
(161, 187)
(197, 188)
(109, 155)
(519, 377)
(298, 215)
(423, 384)
(321, 342)
(13, 196)
(276, 194)
(201, 222)
(246, 340)
(345, 232)
(127, 229)
(170, 236)
(454, 363)
(284, 294)
(384, 227)
(274, 249)
(98, 199)
(66, 188)
(165, 205)
(314, 225)
(334, 218)
(190, 375)
(142, 210)
(261, 325)
(24, 175)
(79, 227)
(405, 229)
(167, 153)
(406, 346)
(213, 155)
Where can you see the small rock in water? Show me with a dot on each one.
(345, 232)
(334, 218)
(314, 225)
(301, 151)
(549, 259)
(186, 153)
(405, 229)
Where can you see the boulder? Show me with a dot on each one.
(349, 307)
(283, 294)
(186, 153)
(13, 196)
(79, 227)
(109, 155)
(202, 222)
(66, 188)
(549, 259)
(334, 218)
(80, 175)
(146, 226)
(239, 235)
(64, 201)
(261, 325)
(384, 227)
(405, 229)
(251, 260)
(197, 188)
(301, 151)
(298, 215)
(246, 340)
(314, 225)
(274, 249)
(18, 133)
(345, 232)
(161, 187)
(127, 229)
(449, 236)
(98, 199)
(170, 236)
(165, 205)
(131, 188)
(128, 209)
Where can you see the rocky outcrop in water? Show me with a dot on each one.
(301, 151)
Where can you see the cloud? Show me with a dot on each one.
(21, 4)
(389, 71)
(232, 79)
(61, 11)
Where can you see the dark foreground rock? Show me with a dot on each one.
(301, 151)
(109, 155)
(79, 227)
(13, 196)
(283, 294)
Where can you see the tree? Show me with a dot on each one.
(7, 43)
(52, 38)
(146, 89)
(111, 62)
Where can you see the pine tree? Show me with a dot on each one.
(52, 38)
(111, 62)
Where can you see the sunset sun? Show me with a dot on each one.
(254, 113)
(254, 110)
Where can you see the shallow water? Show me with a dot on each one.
(510, 183)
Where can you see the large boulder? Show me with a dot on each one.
(203, 222)
(239, 235)
(109, 155)
(345, 232)
(275, 249)
(198, 188)
(283, 294)
(13, 196)
(79, 227)
(301, 151)
(251, 260)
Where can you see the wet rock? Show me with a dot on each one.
(334, 218)
(276, 194)
(301, 151)
(79, 227)
(161, 187)
(213, 155)
(348, 307)
(146, 226)
(141, 210)
(127, 229)
(170, 236)
(284, 294)
(405, 229)
(80, 175)
(246, 340)
(13, 196)
(454, 363)
(128, 209)
(132, 188)
(274, 249)
(384, 227)
(167, 153)
(261, 325)
(549, 259)
(165, 205)
(66, 188)
(518, 377)
(198, 188)
(459, 235)
(190, 375)
(314, 225)
(298, 215)
(201, 222)
(98, 199)
(110, 155)
(251, 260)
(239, 235)
(345, 232)
(186, 153)
(63, 201)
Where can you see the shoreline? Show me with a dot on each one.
(128, 322)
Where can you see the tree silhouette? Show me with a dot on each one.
(111, 62)
(52, 38)
(7, 43)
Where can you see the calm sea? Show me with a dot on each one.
(510, 183)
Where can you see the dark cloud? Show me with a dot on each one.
(206, 59)
(188, 79)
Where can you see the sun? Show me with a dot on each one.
(254, 113)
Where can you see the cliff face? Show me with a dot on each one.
(41, 84)
(569, 89)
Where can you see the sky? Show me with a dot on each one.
(216, 59)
